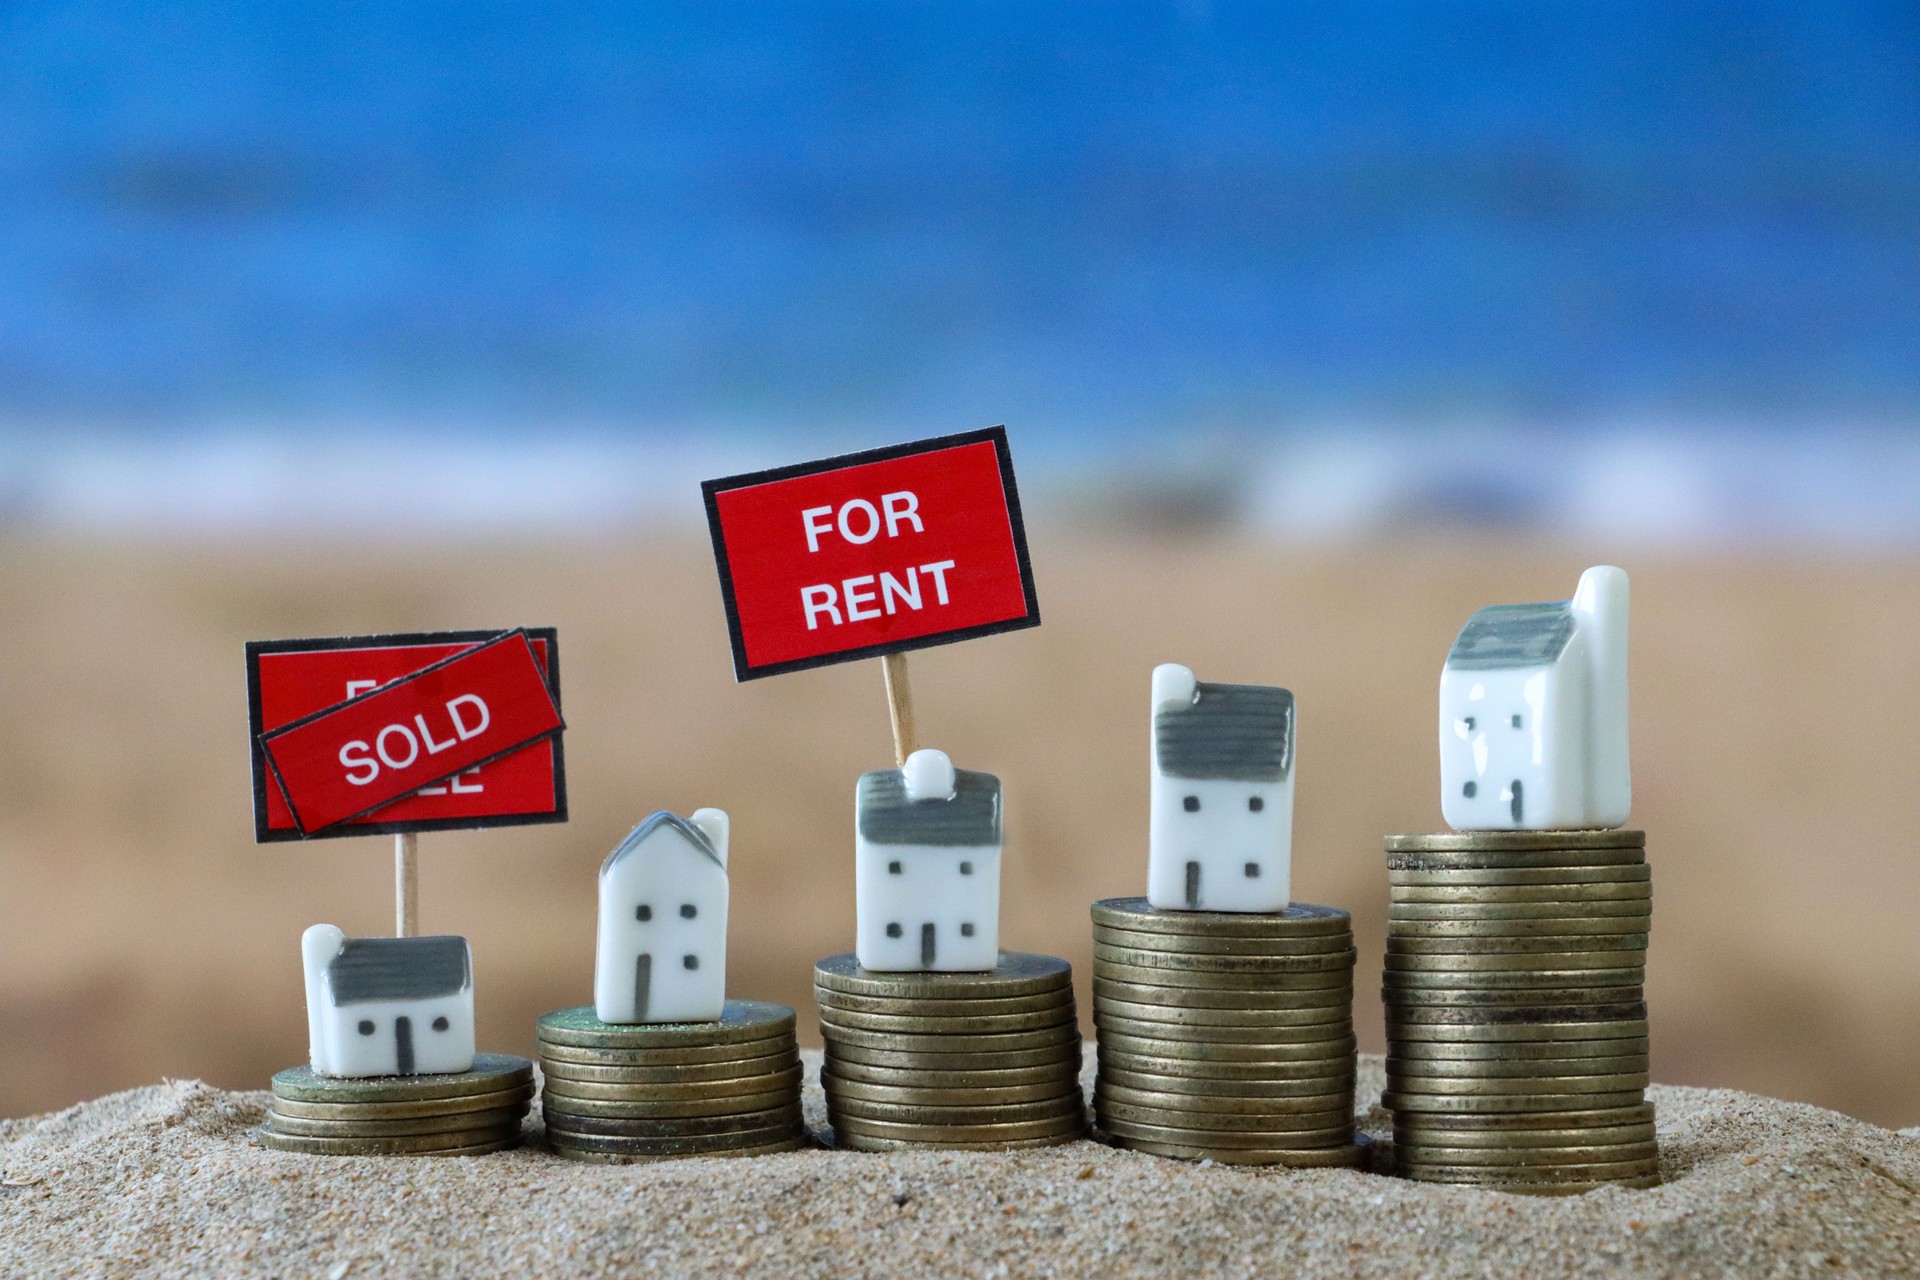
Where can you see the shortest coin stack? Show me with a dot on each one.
(965, 1061)
(1226, 1036)
(467, 1114)
(620, 1094)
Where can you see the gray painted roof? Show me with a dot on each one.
(1503, 636)
(1240, 732)
(369, 969)
(971, 817)
(654, 822)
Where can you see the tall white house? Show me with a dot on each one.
(661, 954)
(927, 867)
(1533, 714)
(387, 1006)
(1220, 802)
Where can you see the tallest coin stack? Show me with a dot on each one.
(1516, 1014)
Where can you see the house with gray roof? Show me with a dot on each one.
(927, 844)
(387, 1006)
(661, 947)
(1533, 713)
(1220, 794)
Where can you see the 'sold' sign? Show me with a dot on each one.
(372, 734)
(871, 553)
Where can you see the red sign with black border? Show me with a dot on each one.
(302, 687)
(871, 553)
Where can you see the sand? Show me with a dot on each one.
(168, 1181)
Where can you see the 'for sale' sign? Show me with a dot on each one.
(377, 734)
(871, 553)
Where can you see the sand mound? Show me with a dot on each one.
(167, 1180)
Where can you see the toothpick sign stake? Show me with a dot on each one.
(900, 706)
(406, 885)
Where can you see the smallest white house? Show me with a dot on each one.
(927, 868)
(662, 952)
(387, 1006)
(1220, 803)
(1533, 714)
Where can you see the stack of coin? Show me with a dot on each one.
(619, 1094)
(1516, 1015)
(467, 1114)
(969, 1061)
(1226, 1036)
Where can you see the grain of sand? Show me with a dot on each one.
(168, 1181)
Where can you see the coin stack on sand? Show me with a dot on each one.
(968, 1061)
(619, 1094)
(1226, 1036)
(1516, 1015)
(467, 1114)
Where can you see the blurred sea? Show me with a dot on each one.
(1639, 268)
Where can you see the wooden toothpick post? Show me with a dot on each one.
(406, 885)
(899, 706)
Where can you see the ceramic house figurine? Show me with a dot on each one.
(1533, 714)
(662, 953)
(387, 1006)
(927, 867)
(1220, 804)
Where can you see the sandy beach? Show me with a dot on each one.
(168, 1181)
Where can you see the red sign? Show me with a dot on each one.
(871, 553)
(366, 733)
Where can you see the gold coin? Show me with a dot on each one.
(900, 1024)
(1335, 1077)
(992, 1042)
(740, 1020)
(1045, 1002)
(1502, 1104)
(1525, 1068)
(1261, 990)
(1471, 964)
(1533, 860)
(1535, 1122)
(1342, 1156)
(1518, 1050)
(1517, 841)
(1402, 1016)
(782, 1042)
(853, 1126)
(1278, 1056)
(1299, 920)
(1579, 896)
(1526, 1157)
(468, 1142)
(503, 1118)
(1251, 1111)
(1110, 1024)
(1592, 1136)
(1280, 1007)
(1278, 1025)
(1555, 947)
(860, 1142)
(1113, 1059)
(1064, 1053)
(907, 1095)
(1544, 927)
(1398, 999)
(1063, 1074)
(690, 1078)
(1640, 912)
(1487, 1032)
(717, 1144)
(1019, 973)
(1405, 1082)
(492, 1073)
(692, 1091)
(794, 1143)
(572, 1123)
(503, 1100)
(1331, 944)
(1131, 1131)
(1532, 1173)
(691, 1111)
(1513, 877)
(840, 1108)
(1329, 970)
(1326, 1113)
(1513, 979)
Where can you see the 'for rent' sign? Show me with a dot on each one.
(871, 553)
